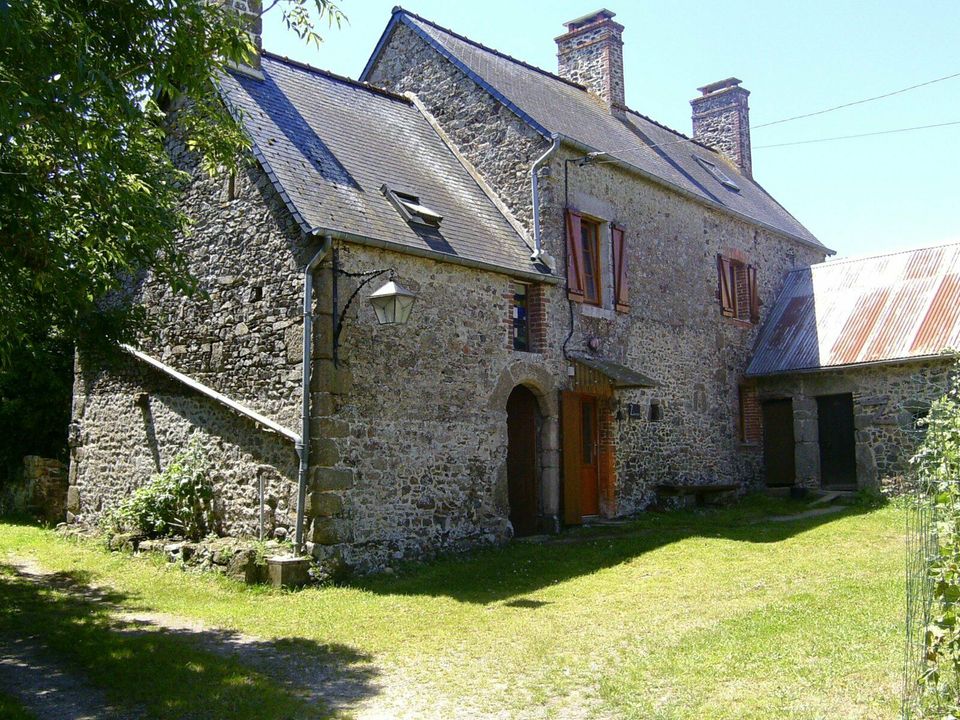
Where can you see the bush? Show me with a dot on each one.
(178, 501)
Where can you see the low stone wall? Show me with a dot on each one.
(40, 489)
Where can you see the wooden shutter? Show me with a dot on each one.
(619, 269)
(728, 306)
(575, 282)
(571, 449)
(753, 294)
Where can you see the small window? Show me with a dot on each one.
(410, 207)
(521, 319)
(719, 175)
(590, 244)
(655, 412)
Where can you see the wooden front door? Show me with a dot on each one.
(838, 458)
(778, 443)
(522, 460)
(581, 456)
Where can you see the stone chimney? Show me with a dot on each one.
(591, 53)
(721, 120)
(250, 11)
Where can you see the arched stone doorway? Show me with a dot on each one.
(524, 424)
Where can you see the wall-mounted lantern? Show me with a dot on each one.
(392, 303)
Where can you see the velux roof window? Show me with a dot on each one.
(720, 176)
(411, 209)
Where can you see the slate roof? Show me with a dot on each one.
(886, 308)
(551, 105)
(330, 144)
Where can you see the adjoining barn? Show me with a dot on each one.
(852, 356)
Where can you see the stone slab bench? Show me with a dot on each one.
(700, 491)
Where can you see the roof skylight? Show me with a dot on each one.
(411, 209)
(720, 176)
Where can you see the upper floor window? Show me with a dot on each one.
(738, 289)
(520, 320)
(589, 235)
(596, 262)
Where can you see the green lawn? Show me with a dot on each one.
(681, 615)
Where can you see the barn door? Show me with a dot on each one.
(778, 443)
(838, 459)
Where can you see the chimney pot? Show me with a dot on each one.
(591, 53)
(721, 120)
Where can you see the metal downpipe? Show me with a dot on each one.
(535, 193)
(303, 445)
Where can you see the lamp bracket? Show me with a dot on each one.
(367, 276)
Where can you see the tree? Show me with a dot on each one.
(88, 195)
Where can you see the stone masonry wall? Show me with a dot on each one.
(241, 335)
(131, 422)
(887, 401)
(674, 331)
(419, 431)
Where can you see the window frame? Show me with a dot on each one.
(591, 256)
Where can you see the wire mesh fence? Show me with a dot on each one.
(921, 548)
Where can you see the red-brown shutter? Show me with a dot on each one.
(728, 307)
(620, 269)
(575, 280)
(753, 293)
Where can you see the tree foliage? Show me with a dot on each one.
(88, 195)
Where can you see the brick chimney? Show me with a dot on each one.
(721, 120)
(591, 53)
(250, 11)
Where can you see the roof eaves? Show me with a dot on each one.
(402, 16)
(946, 356)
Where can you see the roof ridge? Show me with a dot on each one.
(862, 258)
(491, 50)
(360, 84)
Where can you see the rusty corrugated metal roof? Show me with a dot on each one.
(876, 309)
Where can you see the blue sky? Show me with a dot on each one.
(859, 196)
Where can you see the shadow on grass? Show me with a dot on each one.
(176, 671)
(525, 566)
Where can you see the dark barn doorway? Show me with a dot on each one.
(838, 455)
(523, 419)
(778, 443)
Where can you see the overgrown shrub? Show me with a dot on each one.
(937, 464)
(178, 501)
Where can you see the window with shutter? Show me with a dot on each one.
(737, 290)
(590, 252)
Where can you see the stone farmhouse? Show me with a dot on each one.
(589, 287)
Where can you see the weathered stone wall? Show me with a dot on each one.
(674, 331)
(419, 435)
(887, 401)
(241, 334)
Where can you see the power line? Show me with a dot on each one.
(860, 135)
(856, 102)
